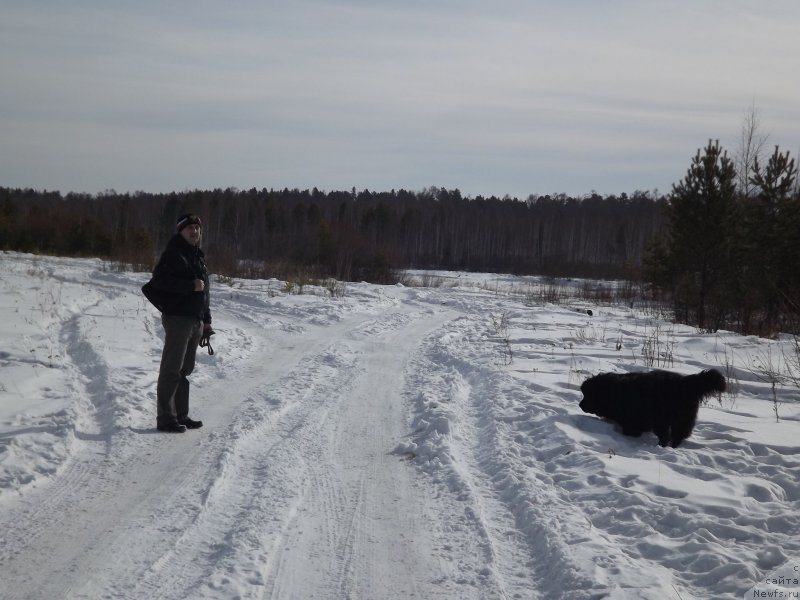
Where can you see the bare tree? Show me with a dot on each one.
(751, 147)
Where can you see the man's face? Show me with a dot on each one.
(192, 234)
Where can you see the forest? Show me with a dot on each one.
(720, 250)
(348, 235)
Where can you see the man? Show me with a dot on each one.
(179, 289)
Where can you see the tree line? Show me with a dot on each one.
(722, 249)
(361, 235)
(728, 257)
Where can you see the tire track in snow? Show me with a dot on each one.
(463, 441)
(140, 496)
(295, 465)
(58, 316)
(448, 450)
(274, 471)
(363, 528)
(34, 521)
(261, 482)
(84, 428)
(260, 474)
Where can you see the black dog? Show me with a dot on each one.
(658, 401)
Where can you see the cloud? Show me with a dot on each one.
(513, 97)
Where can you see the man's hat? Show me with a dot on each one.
(187, 219)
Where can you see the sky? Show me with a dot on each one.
(492, 98)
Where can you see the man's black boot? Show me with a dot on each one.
(172, 428)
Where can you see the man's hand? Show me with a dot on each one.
(199, 285)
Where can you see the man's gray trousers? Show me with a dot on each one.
(177, 362)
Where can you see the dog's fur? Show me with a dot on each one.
(659, 401)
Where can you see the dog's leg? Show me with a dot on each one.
(683, 425)
(678, 436)
(663, 433)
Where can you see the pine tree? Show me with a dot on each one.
(772, 234)
(700, 213)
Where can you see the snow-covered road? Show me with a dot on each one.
(394, 443)
(290, 490)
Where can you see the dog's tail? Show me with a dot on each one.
(708, 382)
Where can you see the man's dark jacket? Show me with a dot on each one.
(171, 290)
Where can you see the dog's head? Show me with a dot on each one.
(589, 404)
(595, 394)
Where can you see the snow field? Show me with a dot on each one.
(394, 443)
